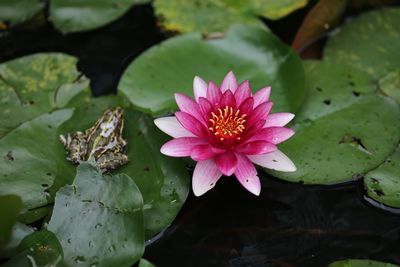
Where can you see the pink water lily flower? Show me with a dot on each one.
(226, 130)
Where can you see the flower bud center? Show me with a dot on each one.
(227, 123)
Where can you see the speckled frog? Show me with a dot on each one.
(102, 143)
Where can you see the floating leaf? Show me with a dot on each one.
(77, 15)
(325, 15)
(252, 53)
(369, 42)
(390, 85)
(14, 12)
(27, 160)
(36, 84)
(383, 183)
(9, 210)
(163, 181)
(344, 128)
(145, 263)
(360, 263)
(209, 16)
(99, 219)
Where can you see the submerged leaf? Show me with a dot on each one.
(360, 263)
(9, 210)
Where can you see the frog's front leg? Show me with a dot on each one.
(111, 161)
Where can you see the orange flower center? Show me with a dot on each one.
(227, 124)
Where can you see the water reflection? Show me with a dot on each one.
(288, 225)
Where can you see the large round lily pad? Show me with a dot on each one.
(78, 15)
(163, 181)
(35, 84)
(253, 53)
(369, 42)
(344, 129)
(208, 16)
(14, 12)
(99, 219)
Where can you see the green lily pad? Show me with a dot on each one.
(253, 53)
(163, 181)
(369, 42)
(77, 15)
(27, 160)
(14, 12)
(145, 263)
(390, 85)
(383, 183)
(344, 129)
(36, 84)
(99, 219)
(360, 263)
(43, 248)
(9, 210)
(209, 16)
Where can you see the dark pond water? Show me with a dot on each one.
(287, 225)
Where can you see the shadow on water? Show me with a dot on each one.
(287, 225)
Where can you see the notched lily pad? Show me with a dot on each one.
(99, 219)
(36, 84)
(369, 42)
(253, 53)
(209, 16)
(354, 132)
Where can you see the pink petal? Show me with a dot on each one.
(205, 176)
(247, 106)
(205, 151)
(275, 160)
(274, 135)
(246, 173)
(188, 105)
(181, 147)
(256, 147)
(172, 127)
(242, 92)
(259, 113)
(228, 99)
(206, 108)
(252, 130)
(278, 119)
(226, 163)
(229, 83)
(199, 87)
(213, 93)
(191, 124)
(261, 96)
